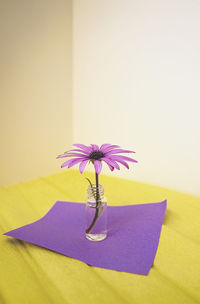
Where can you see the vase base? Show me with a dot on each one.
(96, 237)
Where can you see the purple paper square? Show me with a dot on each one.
(131, 245)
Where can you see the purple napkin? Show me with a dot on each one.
(131, 244)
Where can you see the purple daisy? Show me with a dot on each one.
(107, 153)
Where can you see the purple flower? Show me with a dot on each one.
(107, 153)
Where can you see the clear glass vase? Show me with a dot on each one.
(96, 214)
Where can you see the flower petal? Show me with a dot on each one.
(115, 151)
(66, 163)
(77, 150)
(76, 154)
(72, 154)
(83, 165)
(75, 161)
(71, 162)
(59, 156)
(108, 148)
(104, 146)
(95, 147)
(111, 167)
(97, 166)
(124, 158)
(111, 163)
(118, 159)
(83, 147)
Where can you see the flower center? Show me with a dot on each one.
(96, 155)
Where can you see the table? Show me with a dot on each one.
(31, 274)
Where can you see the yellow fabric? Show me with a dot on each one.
(30, 274)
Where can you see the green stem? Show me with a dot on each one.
(97, 187)
(97, 209)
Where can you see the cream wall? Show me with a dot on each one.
(136, 83)
(36, 87)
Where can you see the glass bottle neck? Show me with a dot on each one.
(95, 192)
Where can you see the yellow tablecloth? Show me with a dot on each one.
(30, 274)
